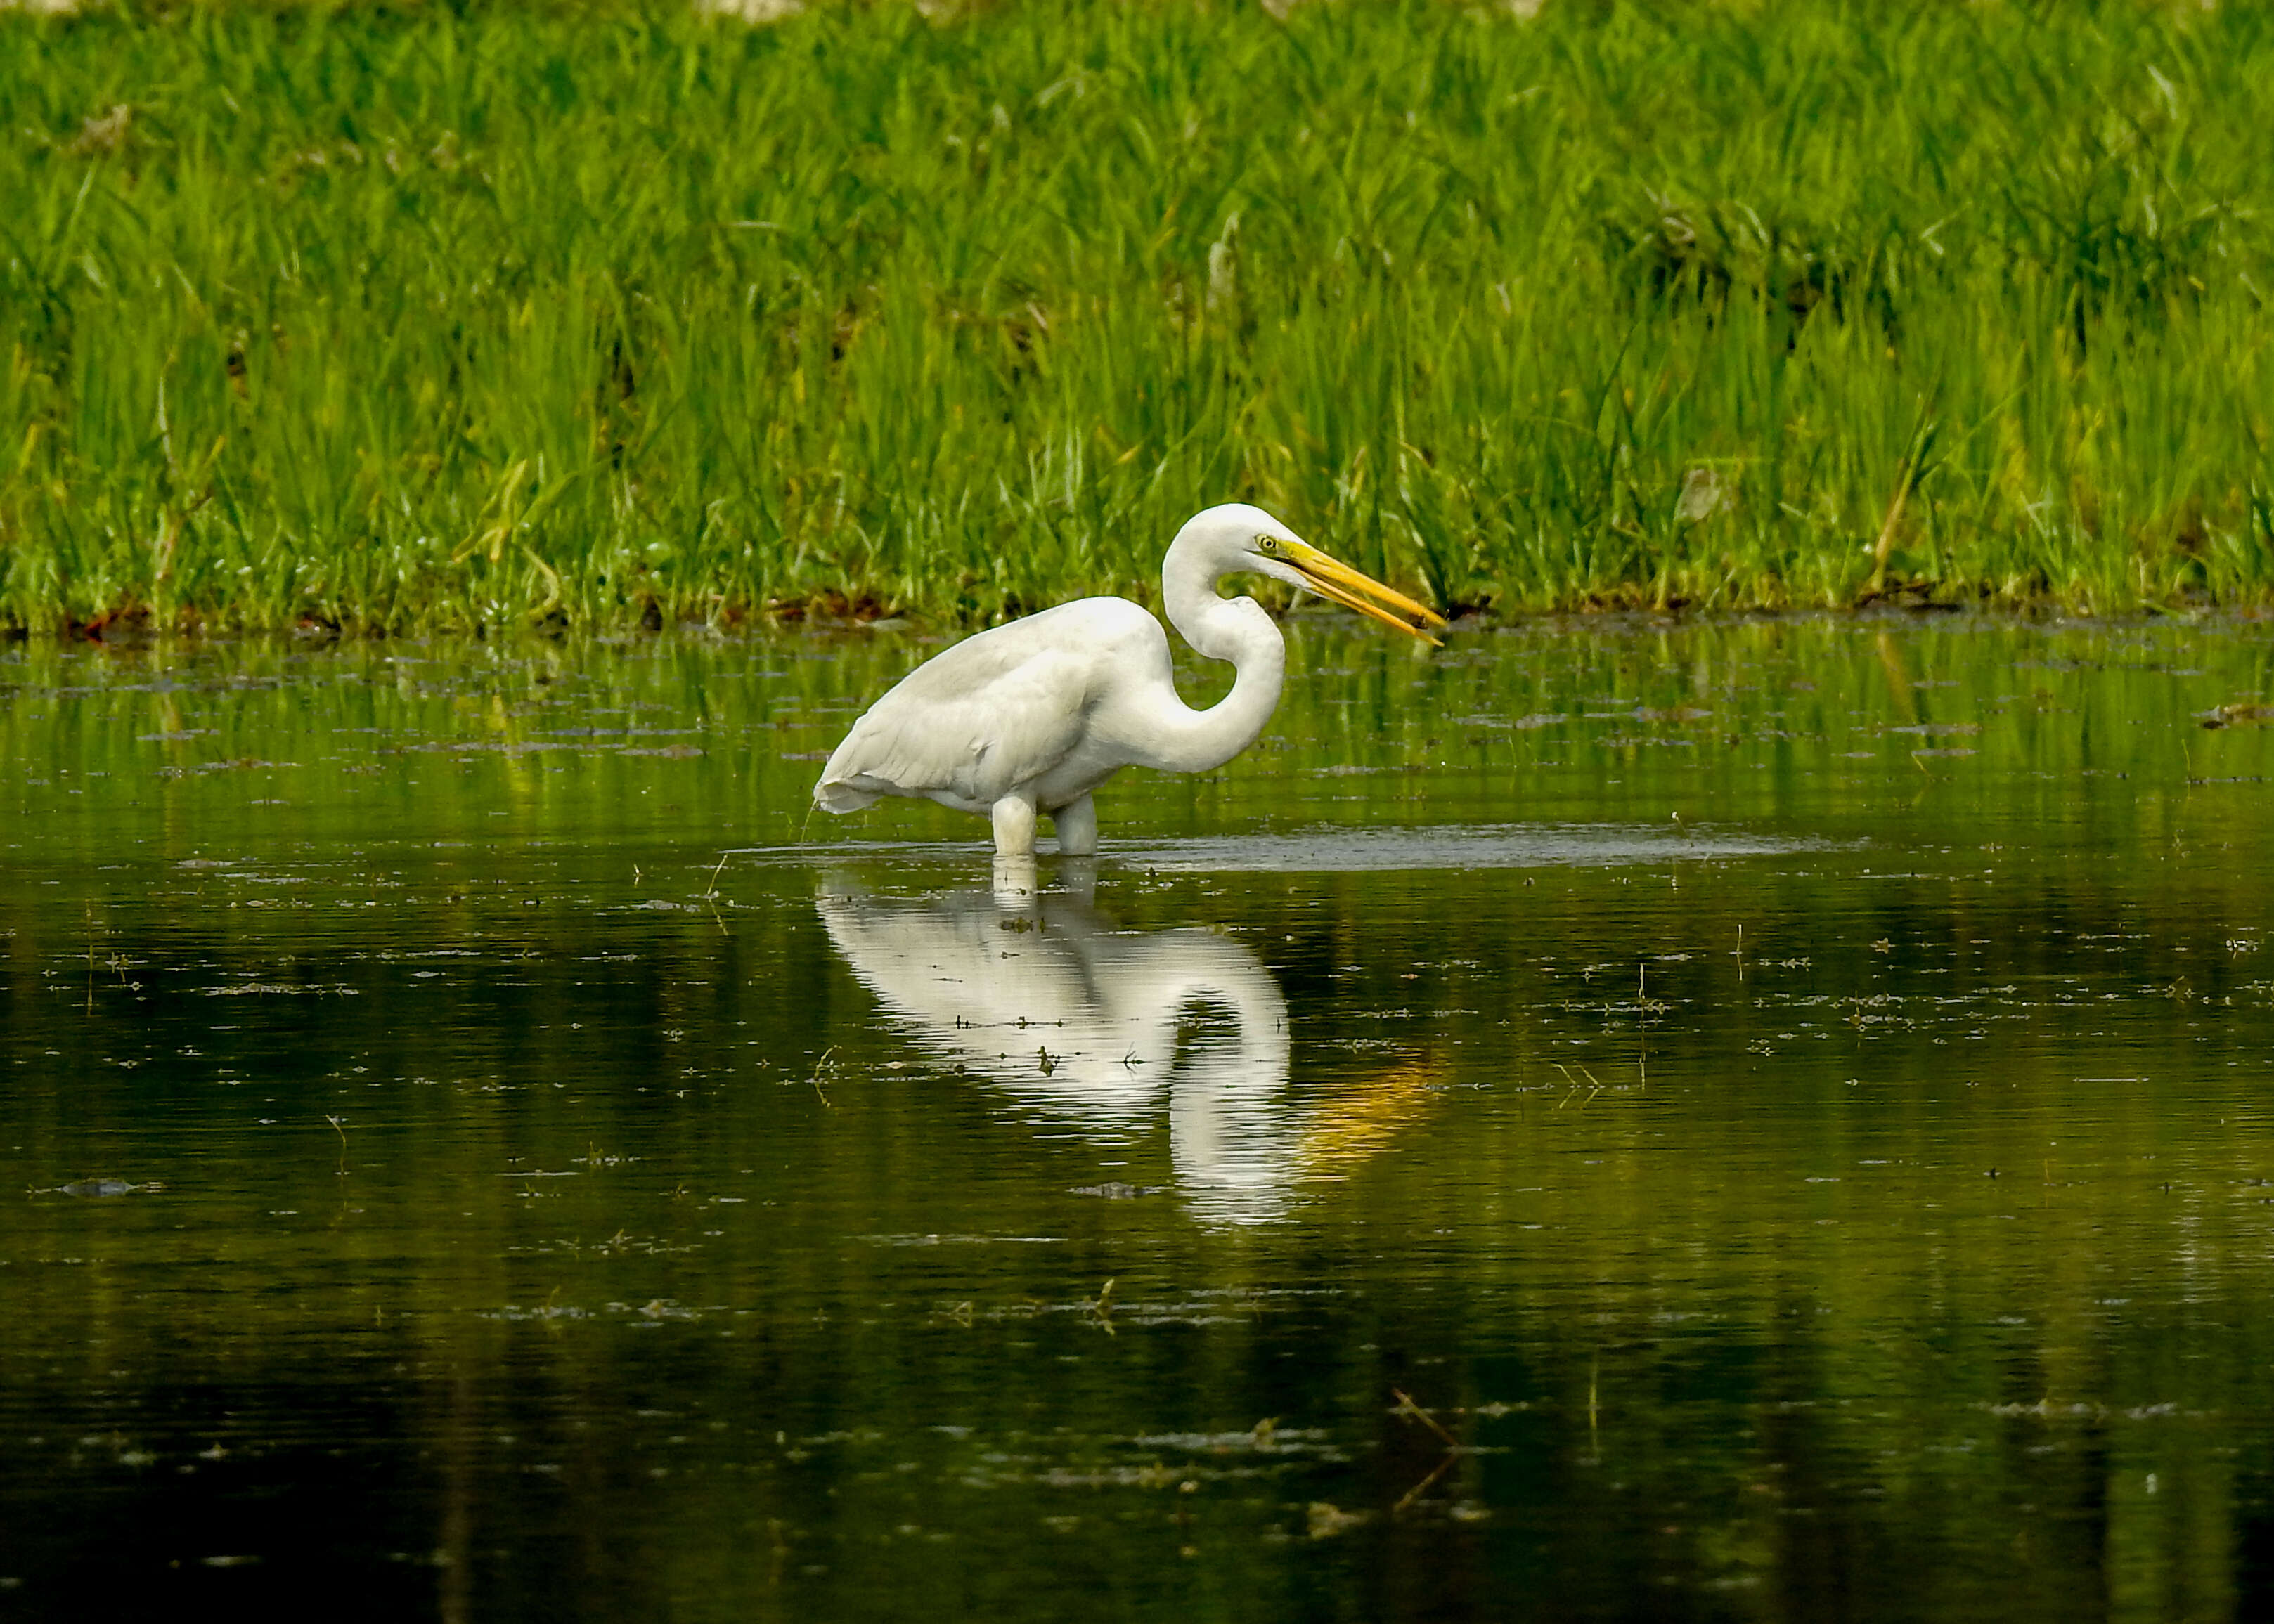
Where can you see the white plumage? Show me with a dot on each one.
(1027, 719)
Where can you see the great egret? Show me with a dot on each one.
(1027, 718)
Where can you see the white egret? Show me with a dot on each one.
(1027, 719)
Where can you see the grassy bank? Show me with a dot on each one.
(398, 317)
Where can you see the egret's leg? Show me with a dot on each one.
(1076, 826)
(1015, 880)
(1078, 877)
(1014, 826)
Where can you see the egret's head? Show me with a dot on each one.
(1250, 539)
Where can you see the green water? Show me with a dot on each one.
(1759, 1121)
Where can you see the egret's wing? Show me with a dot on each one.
(971, 723)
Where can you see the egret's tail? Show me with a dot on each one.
(833, 796)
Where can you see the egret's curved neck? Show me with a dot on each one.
(1222, 628)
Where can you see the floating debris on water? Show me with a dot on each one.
(2237, 716)
(101, 1187)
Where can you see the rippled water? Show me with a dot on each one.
(1768, 1120)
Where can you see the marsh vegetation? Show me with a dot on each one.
(404, 317)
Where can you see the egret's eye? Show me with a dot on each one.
(1268, 543)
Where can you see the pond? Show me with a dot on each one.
(1771, 1119)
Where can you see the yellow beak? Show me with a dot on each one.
(1338, 583)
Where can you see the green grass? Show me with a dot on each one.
(408, 317)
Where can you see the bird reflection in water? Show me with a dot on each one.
(1082, 1024)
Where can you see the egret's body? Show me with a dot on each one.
(1027, 719)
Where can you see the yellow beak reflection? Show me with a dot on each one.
(1338, 583)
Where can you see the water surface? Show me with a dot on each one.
(1756, 1121)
